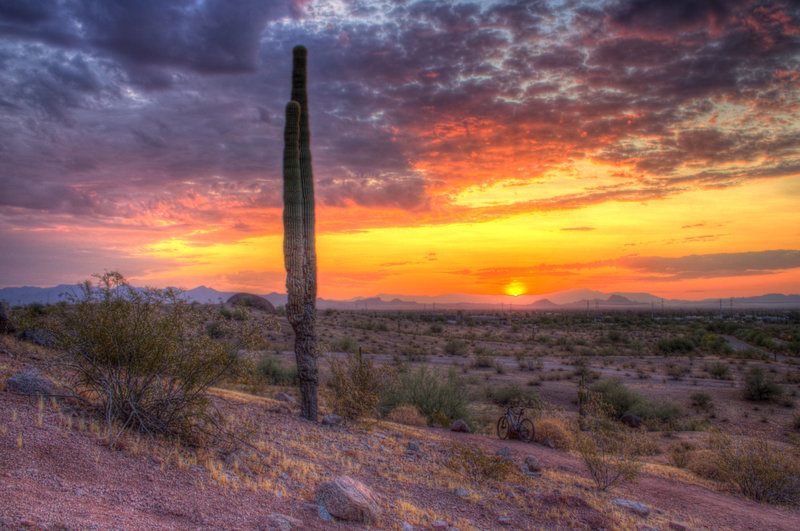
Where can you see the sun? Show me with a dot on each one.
(515, 288)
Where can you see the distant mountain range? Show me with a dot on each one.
(581, 299)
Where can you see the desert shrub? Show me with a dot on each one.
(455, 347)
(680, 454)
(658, 414)
(701, 401)
(512, 395)
(757, 469)
(759, 386)
(716, 344)
(414, 353)
(407, 415)
(356, 385)
(720, 370)
(608, 451)
(271, 370)
(143, 356)
(556, 430)
(615, 394)
(676, 371)
(430, 393)
(675, 345)
(621, 400)
(344, 344)
(796, 421)
(435, 329)
(477, 465)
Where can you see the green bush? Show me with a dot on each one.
(759, 386)
(512, 395)
(455, 347)
(701, 401)
(143, 356)
(675, 345)
(356, 385)
(270, 369)
(345, 344)
(621, 400)
(446, 398)
(720, 370)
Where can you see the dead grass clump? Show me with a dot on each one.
(556, 430)
(609, 452)
(356, 385)
(757, 469)
(474, 463)
(407, 415)
(680, 454)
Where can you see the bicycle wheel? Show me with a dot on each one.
(526, 430)
(503, 428)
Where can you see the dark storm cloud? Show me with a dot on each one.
(118, 106)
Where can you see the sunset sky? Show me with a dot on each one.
(478, 147)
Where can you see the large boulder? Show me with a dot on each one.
(251, 301)
(30, 382)
(344, 497)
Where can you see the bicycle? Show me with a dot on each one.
(510, 423)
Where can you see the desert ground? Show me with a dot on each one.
(63, 467)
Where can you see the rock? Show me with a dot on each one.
(37, 336)
(251, 301)
(324, 514)
(677, 526)
(633, 506)
(407, 527)
(348, 499)
(30, 382)
(414, 447)
(279, 408)
(283, 397)
(504, 520)
(5, 319)
(278, 522)
(440, 525)
(531, 464)
(332, 420)
(461, 492)
(629, 419)
(505, 451)
(460, 426)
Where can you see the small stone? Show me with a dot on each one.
(440, 525)
(332, 420)
(31, 383)
(677, 526)
(283, 397)
(505, 451)
(324, 514)
(407, 527)
(633, 506)
(157, 460)
(280, 409)
(504, 520)
(414, 447)
(278, 522)
(531, 464)
(460, 426)
(631, 420)
(461, 492)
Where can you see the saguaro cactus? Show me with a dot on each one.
(299, 248)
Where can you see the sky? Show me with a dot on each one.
(492, 148)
